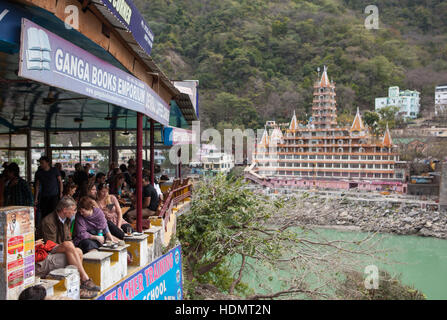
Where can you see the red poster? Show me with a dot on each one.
(15, 264)
(15, 245)
(15, 279)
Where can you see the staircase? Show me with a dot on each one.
(249, 174)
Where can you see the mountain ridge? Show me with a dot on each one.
(256, 60)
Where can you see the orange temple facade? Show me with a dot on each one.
(324, 155)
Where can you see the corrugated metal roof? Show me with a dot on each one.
(184, 103)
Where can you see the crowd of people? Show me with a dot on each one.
(75, 214)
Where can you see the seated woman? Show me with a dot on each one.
(116, 185)
(90, 230)
(70, 189)
(110, 206)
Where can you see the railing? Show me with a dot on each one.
(178, 193)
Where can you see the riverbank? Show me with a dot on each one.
(370, 216)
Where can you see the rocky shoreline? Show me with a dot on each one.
(377, 216)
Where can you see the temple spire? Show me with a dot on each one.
(387, 141)
(265, 138)
(294, 122)
(324, 82)
(357, 124)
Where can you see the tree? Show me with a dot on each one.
(372, 119)
(230, 225)
(387, 117)
(345, 119)
(390, 288)
(226, 105)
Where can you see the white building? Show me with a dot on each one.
(441, 100)
(407, 101)
(212, 161)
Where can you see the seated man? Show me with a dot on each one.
(100, 178)
(150, 202)
(56, 227)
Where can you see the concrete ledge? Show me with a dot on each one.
(118, 263)
(68, 283)
(49, 285)
(138, 248)
(97, 264)
(154, 242)
(96, 256)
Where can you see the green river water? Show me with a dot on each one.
(422, 260)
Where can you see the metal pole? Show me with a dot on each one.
(9, 146)
(111, 139)
(145, 142)
(80, 144)
(179, 171)
(139, 189)
(113, 146)
(48, 152)
(152, 155)
(28, 156)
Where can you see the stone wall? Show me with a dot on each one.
(443, 187)
(377, 216)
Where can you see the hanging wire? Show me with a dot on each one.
(108, 118)
(126, 132)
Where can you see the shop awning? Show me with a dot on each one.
(25, 104)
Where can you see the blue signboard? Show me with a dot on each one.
(160, 280)
(167, 136)
(126, 12)
(173, 136)
(10, 26)
(50, 59)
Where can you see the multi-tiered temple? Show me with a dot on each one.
(322, 154)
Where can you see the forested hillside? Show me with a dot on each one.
(256, 59)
